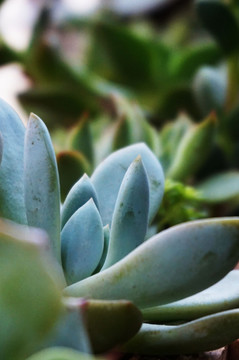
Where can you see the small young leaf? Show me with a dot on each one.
(109, 174)
(205, 334)
(41, 180)
(82, 243)
(79, 194)
(11, 171)
(222, 296)
(202, 252)
(130, 217)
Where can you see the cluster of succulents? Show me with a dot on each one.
(87, 275)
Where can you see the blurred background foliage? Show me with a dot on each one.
(165, 72)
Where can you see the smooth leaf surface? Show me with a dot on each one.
(202, 252)
(1, 147)
(222, 296)
(11, 171)
(130, 217)
(82, 242)
(207, 333)
(111, 323)
(30, 296)
(108, 176)
(221, 187)
(41, 180)
(106, 230)
(80, 193)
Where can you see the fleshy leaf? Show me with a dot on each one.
(11, 171)
(79, 194)
(193, 149)
(72, 165)
(109, 174)
(202, 252)
(130, 217)
(207, 333)
(111, 323)
(30, 298)
(61, 353)
(1, 147)
(221, 187)
(106, 229)
(222, 296)
(42, 193)
(82, 243)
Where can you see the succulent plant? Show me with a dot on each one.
(100, 250)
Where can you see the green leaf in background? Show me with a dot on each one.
(187, 61)
(30, 297)
(222, 296)
(220, 22)
(130, 217)
(42, 188)
(111, 323)
(12, 204)
(61, 353)
(193, 149)
(208, 333)
(220, 187)
(80, 139)
(72, 165)
(202, 252)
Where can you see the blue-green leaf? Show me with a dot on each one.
(1, 147)
(42, 194)
(106, 230)
(207, 333)
(109, 174)
(130, 217)
(224, 295)
(172, 265)
(79, 194)
(82, 243)
(11, 171)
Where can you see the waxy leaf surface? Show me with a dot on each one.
(172, 265)
(109, 174)
(42, 194)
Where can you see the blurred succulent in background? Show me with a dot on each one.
(100, 243)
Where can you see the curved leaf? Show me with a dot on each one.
(220, 187)
(130, 217)
(106, 229)
(111, 323)
(1, 147)
(79, 194)
(30, 299)
(109, 174)
(82, 242)
(207, 333)
(41, 180)
(11, 171)
(202, 252)
(222, 296)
